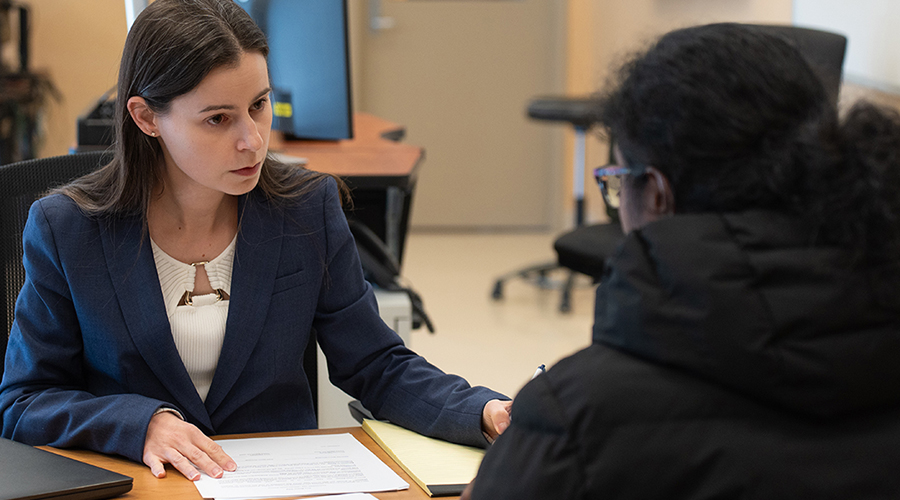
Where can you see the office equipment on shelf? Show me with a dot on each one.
(27, 472)
(439, 467)
(96, 125)
(24, 94)
(309, 65)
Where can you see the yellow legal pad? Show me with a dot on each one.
(439, 467)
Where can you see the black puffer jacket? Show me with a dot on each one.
(730, 360)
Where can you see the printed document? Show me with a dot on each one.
(299, 465)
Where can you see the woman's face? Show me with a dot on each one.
(214, 138)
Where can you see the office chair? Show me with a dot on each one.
(586, 248)
(580, 113)
(24, 182)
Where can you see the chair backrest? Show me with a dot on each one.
(822, 49)
(21, 184)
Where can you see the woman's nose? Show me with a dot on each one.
(252, 138)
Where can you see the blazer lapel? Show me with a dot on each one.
(256, 258)
(136, 281)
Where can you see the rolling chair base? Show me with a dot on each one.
(539, 275)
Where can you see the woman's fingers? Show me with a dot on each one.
(495, 418)
(172, 440)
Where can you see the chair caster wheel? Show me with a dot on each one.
(497, 294)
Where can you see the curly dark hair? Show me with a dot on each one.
(737, 119)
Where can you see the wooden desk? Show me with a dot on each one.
(175, 486)
(372, 159)
(380, 171)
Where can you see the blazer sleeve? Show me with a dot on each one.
(367, 360)
(43, 400)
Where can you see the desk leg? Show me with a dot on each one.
(393, 219)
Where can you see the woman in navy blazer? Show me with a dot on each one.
(91, 359)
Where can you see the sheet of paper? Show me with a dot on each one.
(348, 496)
(299, 465)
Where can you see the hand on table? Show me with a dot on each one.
(172, 440)
(495, 418)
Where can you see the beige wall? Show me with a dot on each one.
(603, 32)
(78, 43)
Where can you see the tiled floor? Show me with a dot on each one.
(493, 343)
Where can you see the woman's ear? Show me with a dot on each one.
(142, 115)
(659, 197)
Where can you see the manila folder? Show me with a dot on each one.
(439, 467)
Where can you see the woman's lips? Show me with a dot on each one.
(248, 171)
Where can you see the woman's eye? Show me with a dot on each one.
(216, 120)
(260, 104)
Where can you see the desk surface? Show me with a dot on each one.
(175, 486)
(372, 159)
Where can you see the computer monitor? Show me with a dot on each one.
(309, 65)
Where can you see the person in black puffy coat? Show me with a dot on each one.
(747, 330)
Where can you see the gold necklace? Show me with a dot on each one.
(188, 298)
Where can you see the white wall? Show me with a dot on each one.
(871, 27)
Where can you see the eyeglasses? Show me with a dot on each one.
(609, 178)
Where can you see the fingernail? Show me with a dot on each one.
(217, 472)
(231, 466)
(502, 427)
(195, 476)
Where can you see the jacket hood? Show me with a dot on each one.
(744, 301)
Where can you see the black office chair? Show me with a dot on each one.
(586, 248)
(24, 182)
(580, 113)
(21, 184)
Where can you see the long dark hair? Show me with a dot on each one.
(171, 47)
(737, 119)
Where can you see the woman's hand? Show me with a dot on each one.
(495, 418)
(172, 440)
(467, 493)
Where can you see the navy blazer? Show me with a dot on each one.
(91, 354)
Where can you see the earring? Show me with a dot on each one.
(152, 134)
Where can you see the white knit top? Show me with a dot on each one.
(198, 329)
